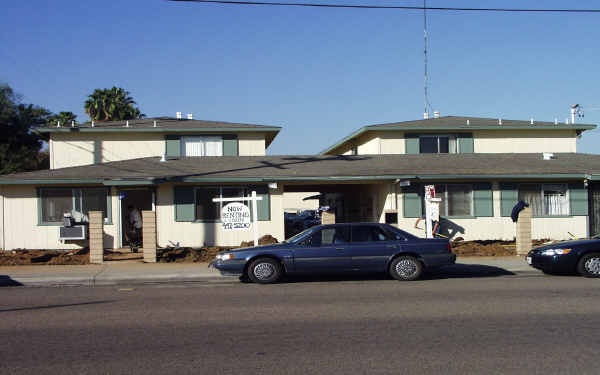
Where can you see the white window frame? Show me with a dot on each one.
(202, 140)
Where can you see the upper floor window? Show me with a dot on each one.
(202, 146)
(545, 199)
(437, 144)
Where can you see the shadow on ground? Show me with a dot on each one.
(7, 281)
(54, 306)
(457, 271)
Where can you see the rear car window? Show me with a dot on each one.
(368, 233)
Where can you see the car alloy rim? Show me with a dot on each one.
(592, 265)
(406, 268)
(263, 271)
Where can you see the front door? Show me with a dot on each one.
(139, 199)
(326, 251)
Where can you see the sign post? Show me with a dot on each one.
(432, 210)
(235, 215)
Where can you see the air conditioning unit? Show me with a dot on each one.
(76, 232)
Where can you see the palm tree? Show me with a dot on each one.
(111, 105)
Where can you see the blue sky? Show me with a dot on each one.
(318, 73)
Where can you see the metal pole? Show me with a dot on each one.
(255, 217)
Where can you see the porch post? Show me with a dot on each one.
(149, 236)
(96, 229)
(524, 231)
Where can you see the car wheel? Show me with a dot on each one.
(406, 268)
(264, 271)
(589, 265)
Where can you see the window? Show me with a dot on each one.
(368, 233)
(457, 199)
(207, 210)
(202, 146)
(437, 144)
(77, 201)
(331, 236)
(545, 199)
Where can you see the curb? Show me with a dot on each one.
(90, 282)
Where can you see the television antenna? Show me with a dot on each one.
(426, 76)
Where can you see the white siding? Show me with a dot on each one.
(20, 226)
(516, 141)
(194, 234)
(251, 144)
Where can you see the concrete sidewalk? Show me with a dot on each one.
(137, 272)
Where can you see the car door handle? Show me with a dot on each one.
(340, 248)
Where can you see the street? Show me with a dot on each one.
(520, 324)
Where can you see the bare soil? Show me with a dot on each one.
(207, 254)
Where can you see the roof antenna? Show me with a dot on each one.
(426, 78)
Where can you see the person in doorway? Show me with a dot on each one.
(134, 232)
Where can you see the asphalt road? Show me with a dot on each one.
(484, 325)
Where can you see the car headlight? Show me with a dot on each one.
(551, 252)
(226, 256)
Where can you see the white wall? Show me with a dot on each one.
(294, 201)
(75, 149)
(194, 234)
(251, 144)
(518, 141)
(20, 225)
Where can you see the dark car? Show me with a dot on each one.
(579, 256)
(356, 247)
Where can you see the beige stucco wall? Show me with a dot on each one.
(195, 234)
(75, 149)
(293, 201)
(498, 227)
(251, 144)
(491, 141)
(20, 224)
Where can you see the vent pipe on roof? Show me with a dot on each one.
(555, 121)
(190, 116)
(72, 123)
(92, 123)
(426, 115)
(163, 158)
(154, 123)
(499, 121)
(468, 122)
(127, 123)
(567, 121)
(58, 124)
(178, 115)
(547, 155)
(531, 121)
(436, 114)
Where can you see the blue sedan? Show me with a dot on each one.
(355, 247)
(580, 256)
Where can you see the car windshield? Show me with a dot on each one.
(300, 236)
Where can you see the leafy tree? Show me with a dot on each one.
(113, 104)
(19, 146)
(65, 119)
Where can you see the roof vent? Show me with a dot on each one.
(163, 158)
(531, 121)
(92, 124)
(127, 123)
(154, 123)
(426, 115)
(178, 115)
(499, 121)
(468, 122)
(436, 114)
(555, 121)
(190, 116)
(72, 123)
(548, 155)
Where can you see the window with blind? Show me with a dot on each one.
(457, 199)
(202, 146)
(546, 199)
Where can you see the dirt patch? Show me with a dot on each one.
(267, 239)
(44, 257)
(488, 248)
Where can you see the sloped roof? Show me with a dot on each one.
(164, 124)
(460, 123)
(321, 168)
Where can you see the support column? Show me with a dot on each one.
(328, 217)
(524, 231)
(149, 236)
(96, 229)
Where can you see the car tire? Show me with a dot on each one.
(406, 268)
(264, 271)
(589, 265)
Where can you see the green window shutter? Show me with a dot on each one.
(509, 196)
(230, 145)
(465, 143)
(173, 146)
(263, 205)
(412, 201)
(184, 203)
(483, 201)
(578, 196)
(412, 143)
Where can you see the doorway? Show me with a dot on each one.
(140, 198)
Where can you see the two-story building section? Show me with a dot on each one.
(480, 168)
